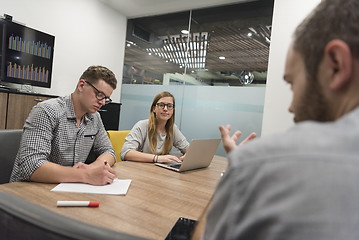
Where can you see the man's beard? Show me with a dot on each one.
(313, 105)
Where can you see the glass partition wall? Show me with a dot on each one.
(213, 60)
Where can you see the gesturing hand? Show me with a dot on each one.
(230, 142)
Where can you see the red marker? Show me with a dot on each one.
(78, 203)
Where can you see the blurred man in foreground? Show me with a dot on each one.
(302, 184)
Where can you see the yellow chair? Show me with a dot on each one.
(117, 139)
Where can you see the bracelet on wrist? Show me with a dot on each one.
(154, 157)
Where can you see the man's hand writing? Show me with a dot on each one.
(81, 165)
(101, 175)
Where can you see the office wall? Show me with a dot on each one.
(86, 32)
(286, 16)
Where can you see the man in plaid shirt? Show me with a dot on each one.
(59, 134)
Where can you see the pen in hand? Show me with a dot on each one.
(106, 163)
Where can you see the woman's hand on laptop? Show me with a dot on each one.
(230, 142)
(168, 158)
(182, 157)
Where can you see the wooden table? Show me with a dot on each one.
(157, 197)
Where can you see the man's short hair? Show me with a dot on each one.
(332, 19)
(95, 73)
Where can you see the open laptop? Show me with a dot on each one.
(199, 155)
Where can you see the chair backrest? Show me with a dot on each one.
(9, 146)
(21, 219)
(117, 139)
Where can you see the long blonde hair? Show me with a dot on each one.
(152, 125)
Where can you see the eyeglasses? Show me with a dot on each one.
(163, 105)
(100, 95)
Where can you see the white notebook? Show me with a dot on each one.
(118, 187)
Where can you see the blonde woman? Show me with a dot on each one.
(152, 139)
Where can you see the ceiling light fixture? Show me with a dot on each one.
(186, 52)
(222, 57)
(184, 31)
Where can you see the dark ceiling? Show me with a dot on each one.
(220, 31)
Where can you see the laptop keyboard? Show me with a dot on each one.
(174, 165)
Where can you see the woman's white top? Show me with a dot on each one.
(138, 140)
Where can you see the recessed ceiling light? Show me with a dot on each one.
(222, 58)
(184, 31)
(249, 34)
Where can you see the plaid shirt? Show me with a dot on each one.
(51, 134)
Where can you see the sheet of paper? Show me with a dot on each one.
(118, 187)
